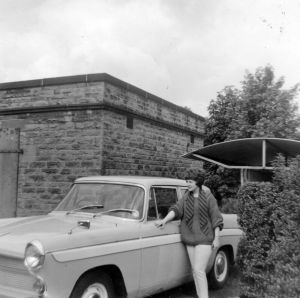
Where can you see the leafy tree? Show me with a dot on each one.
(221, 112)
(262, 108)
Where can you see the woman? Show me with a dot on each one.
(201, 222)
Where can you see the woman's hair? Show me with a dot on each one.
(198, 175)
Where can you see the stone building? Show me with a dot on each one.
(57, 129)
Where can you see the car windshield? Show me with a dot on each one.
(111, 199)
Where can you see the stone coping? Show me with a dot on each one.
(90, 78)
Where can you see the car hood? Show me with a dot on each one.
(58, 231)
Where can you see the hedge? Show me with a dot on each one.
(285, 252)
(257, 202)
(269, 254)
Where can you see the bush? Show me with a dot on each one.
(269, 214)
(257, 202)
(285, 252)
(224, 184)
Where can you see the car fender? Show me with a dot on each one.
(119, 254)
(229, 238)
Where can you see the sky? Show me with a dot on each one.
(184, 51)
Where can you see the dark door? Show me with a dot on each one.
(9, 159)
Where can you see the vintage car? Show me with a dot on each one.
(101, 241)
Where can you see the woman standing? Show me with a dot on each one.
(201, 222)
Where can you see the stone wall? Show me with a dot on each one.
(152, 107)
(146, 149)
(58, 148)
(77, 126)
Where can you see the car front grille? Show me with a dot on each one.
(14, 274)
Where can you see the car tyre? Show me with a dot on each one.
(218, 274)
(98, 285)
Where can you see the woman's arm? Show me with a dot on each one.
(161, 223)
(215, 214)
(175, 211)
(216, 242)
(216, 219)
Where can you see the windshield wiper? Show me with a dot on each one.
(134, 212)
(85, 207)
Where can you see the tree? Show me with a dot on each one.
(262, 108)
(221, 111)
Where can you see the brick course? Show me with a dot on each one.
(70, 129)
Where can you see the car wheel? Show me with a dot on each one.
(218, 275)
(94, 285)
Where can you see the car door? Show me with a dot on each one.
(164, 259)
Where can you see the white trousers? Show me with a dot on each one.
(199, 256)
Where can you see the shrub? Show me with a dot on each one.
(269, 214)
(229, 205)
(285, 252)
(224, 184)
(257, 202)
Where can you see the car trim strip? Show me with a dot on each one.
(115, 247)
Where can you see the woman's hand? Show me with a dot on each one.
(216, 243)
(160, 224)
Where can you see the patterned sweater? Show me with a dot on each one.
(199, 217)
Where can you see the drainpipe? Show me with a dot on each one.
(264, 148)
(19, 151)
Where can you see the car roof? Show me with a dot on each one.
(144, 180)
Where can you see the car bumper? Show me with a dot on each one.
(8, 292)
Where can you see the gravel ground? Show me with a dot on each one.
(231, 289)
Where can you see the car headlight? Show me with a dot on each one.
(34, 255)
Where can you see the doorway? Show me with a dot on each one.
(9, 163)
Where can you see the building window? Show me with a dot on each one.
(129, 122)
(192, 139)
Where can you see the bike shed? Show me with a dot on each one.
(253, 156)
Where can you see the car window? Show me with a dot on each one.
(183, 190)
(161, 199)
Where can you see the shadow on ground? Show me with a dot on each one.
(231, 289)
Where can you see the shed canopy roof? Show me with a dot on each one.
(252, 153)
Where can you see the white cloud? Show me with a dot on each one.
(182, 50)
